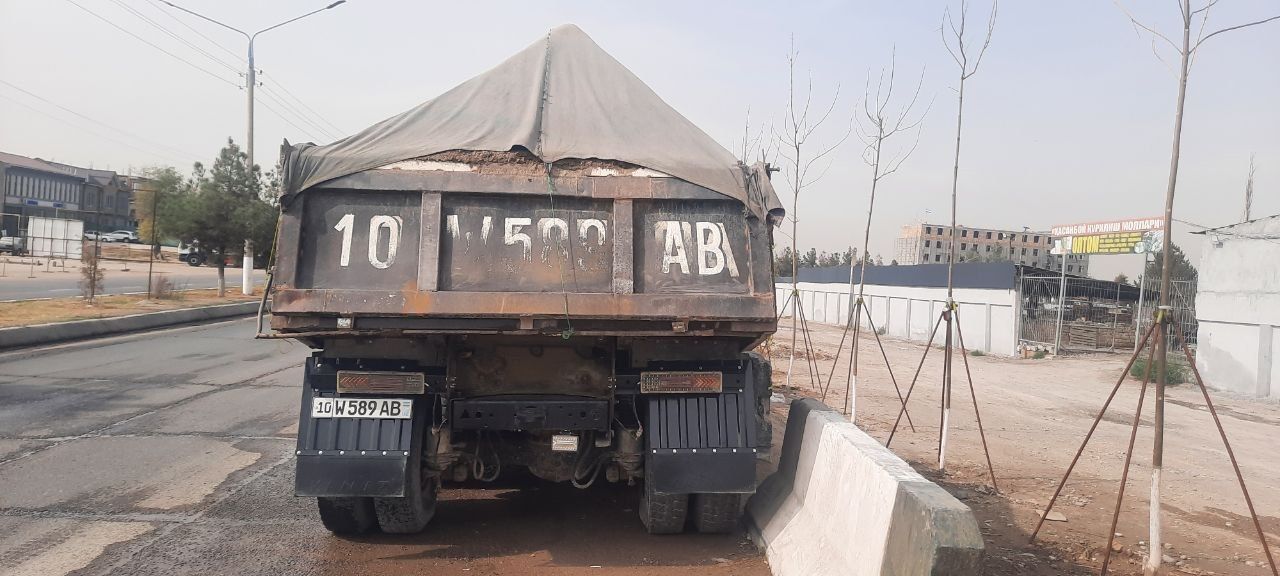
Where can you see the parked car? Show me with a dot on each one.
(15, 245)
(121, 236)
(93, 236)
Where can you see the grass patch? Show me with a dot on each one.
(30, 312)
(1175, 372)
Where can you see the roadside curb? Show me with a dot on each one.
(39, 334)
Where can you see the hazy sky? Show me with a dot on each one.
(1068, 120)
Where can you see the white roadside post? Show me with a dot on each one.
(246, 275)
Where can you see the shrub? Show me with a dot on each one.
(1175, 372)
(162, 288)
(1039, 355)
(977, 353)
(91, 274)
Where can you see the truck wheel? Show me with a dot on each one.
(347, 515)
(716, 513)
(663, 513)
(411, 513)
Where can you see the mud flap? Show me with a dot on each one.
(352, 456)
(701, 444)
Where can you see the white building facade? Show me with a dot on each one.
(1238, 308)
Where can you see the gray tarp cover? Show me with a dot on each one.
(562, 97)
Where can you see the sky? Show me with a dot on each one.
(1068, 119)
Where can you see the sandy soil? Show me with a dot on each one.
(28, 312)
(1036, 413)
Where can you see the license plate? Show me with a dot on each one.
(397, 408)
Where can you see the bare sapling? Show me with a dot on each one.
(798, 128)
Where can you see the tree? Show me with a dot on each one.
(1186, 51)
(1180, 268)
(1121, 278)
(809, 259)
(797, 129)
(893, 262)
(879, 260)
(222, 209)
(784, 262)
(848, 256)
(828, 260)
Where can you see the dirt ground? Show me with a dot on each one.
(28, 312)
(1036, 413)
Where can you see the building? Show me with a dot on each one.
(931, 244)
(1238, 308)
(35, 187)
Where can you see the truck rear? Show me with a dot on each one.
(477, 310)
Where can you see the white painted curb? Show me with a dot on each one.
(39, 334)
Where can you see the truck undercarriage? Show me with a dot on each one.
(381, 430)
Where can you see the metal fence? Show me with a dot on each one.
(1096, 315)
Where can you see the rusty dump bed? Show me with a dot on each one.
(493, 242)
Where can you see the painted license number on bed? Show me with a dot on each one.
(361, 408)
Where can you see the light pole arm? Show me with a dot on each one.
(294, 19)
(207, 19)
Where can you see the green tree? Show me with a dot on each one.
(810, 259)
(1181, 268)
(825, 259)
(222, 209)
(782, 262)
(1121, 278)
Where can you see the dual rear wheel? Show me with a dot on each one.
(706, 513)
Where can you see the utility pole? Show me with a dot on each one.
(251, 80)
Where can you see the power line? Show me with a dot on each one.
(95, 133)
(197, 32)
(287, 120)
(153, 45)
(174, 35)
(304, 105)
(98, 122)
(294, 110)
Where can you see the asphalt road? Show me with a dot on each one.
(170, 453)
(60, 283)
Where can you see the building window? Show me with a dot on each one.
(988, 247)
(1070, 268)
(1036, 240)
(1024, 251)
(988, 235)
(1024, 237)
(964, 233)
(1001, 235)
(926, 243)
(1035, 251)
(928, 229)
(937, 257)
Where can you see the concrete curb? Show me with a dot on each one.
(39, 334)
(840, 503)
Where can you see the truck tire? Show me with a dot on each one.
(347, 515)
(663, 513)
(762, 383)
(716, 513)
(410, 513)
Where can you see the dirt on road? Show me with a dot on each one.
(1036, 413)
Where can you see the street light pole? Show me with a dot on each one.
(251, 76)
(251, 80)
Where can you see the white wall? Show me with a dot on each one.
(988, 317)
(1238, 309)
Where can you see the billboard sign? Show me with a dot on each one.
(1135, 236)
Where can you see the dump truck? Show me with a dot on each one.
(545, 268)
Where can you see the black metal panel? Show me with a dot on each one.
(336, 248)
(692, 246)
(688, 472)
(500, 243)
(331, 475)
(703, 421)
(353, 434)
(529, 414)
